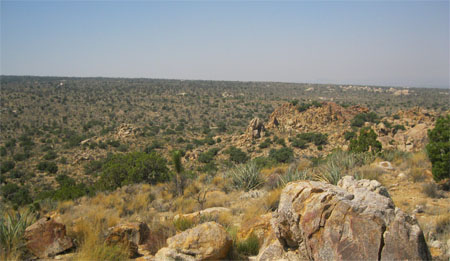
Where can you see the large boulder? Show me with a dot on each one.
(207, 241)
(255, 128)
(356, 220)
(47, 237)
(129, 234)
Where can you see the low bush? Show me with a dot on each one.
(248, 247)
(360, 119)
(48, 166)
(283, 155)
(18, 196)
(367, 141)
(6, 166)
(134, 167)
(431, 190)
(237, 155)
(182, 224)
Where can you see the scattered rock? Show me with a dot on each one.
(435, 244)
(402, 176)
(323, 223)
(419, 209)
(47, 237)
(386, 165)
(207, 241)
(129, 234)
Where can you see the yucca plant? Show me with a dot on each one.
(12, 228)
(246, 176)
(293, 174)
(330, 172)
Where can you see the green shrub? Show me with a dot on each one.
(6, 166)
(182, 224)
(304, 106)
(360, 119)
(207, 157)
(134, 167)
(314, 137)
(245, 176)
(438, 148)
(366, 141)
(51, 155)
(248, 247)
(265, 144)
(48, 166)
(237, 155)
(283, 155)
(3, 151)
(348, 135)
(399, 127)
(16, 195)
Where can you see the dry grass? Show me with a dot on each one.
(368, 172)
(431, 190)
(272, 199)
(417, 174)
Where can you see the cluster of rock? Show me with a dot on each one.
(326, 117)
(355, 220)
(416, 122)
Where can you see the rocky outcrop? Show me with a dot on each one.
(413, 139)
(325, 117)
(356, 220)
(129, 234)
(207, 241)
(255, 129)
(47, 237)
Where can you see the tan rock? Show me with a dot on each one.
(207, 241)
(356, 220)
(47, 237)
(129, 234)
(214, 212)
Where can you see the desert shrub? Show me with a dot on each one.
(113, 143)
(12, 228)
(48, 166)
(265, 144)
(21, 156)
(6, 166)
(367, 141)
(431, 190)
(182, 224)
(134, 167)
(18, 196)
(3, 151)
(50, 155)
(248, 247)
(348, 135)
(417, 174)
(93, 166)
(283, 155)
(438, 148)
(360, 119)
(399, 127)
(245, 176)
(443, 224)
(304, 106)
(393, 155)
(368, 172)
(68, 189)
(237, 155)
(264, 162)
(314, 137)
(299, 143)
(208, 156)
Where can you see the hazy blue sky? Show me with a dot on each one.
(403, 43)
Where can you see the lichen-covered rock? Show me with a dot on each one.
(47, 237)
(207, 241)
(129, 234)
(356, 220)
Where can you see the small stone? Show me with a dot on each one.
(401, 176)
(436, 244)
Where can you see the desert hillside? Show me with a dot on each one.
(119, 169)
